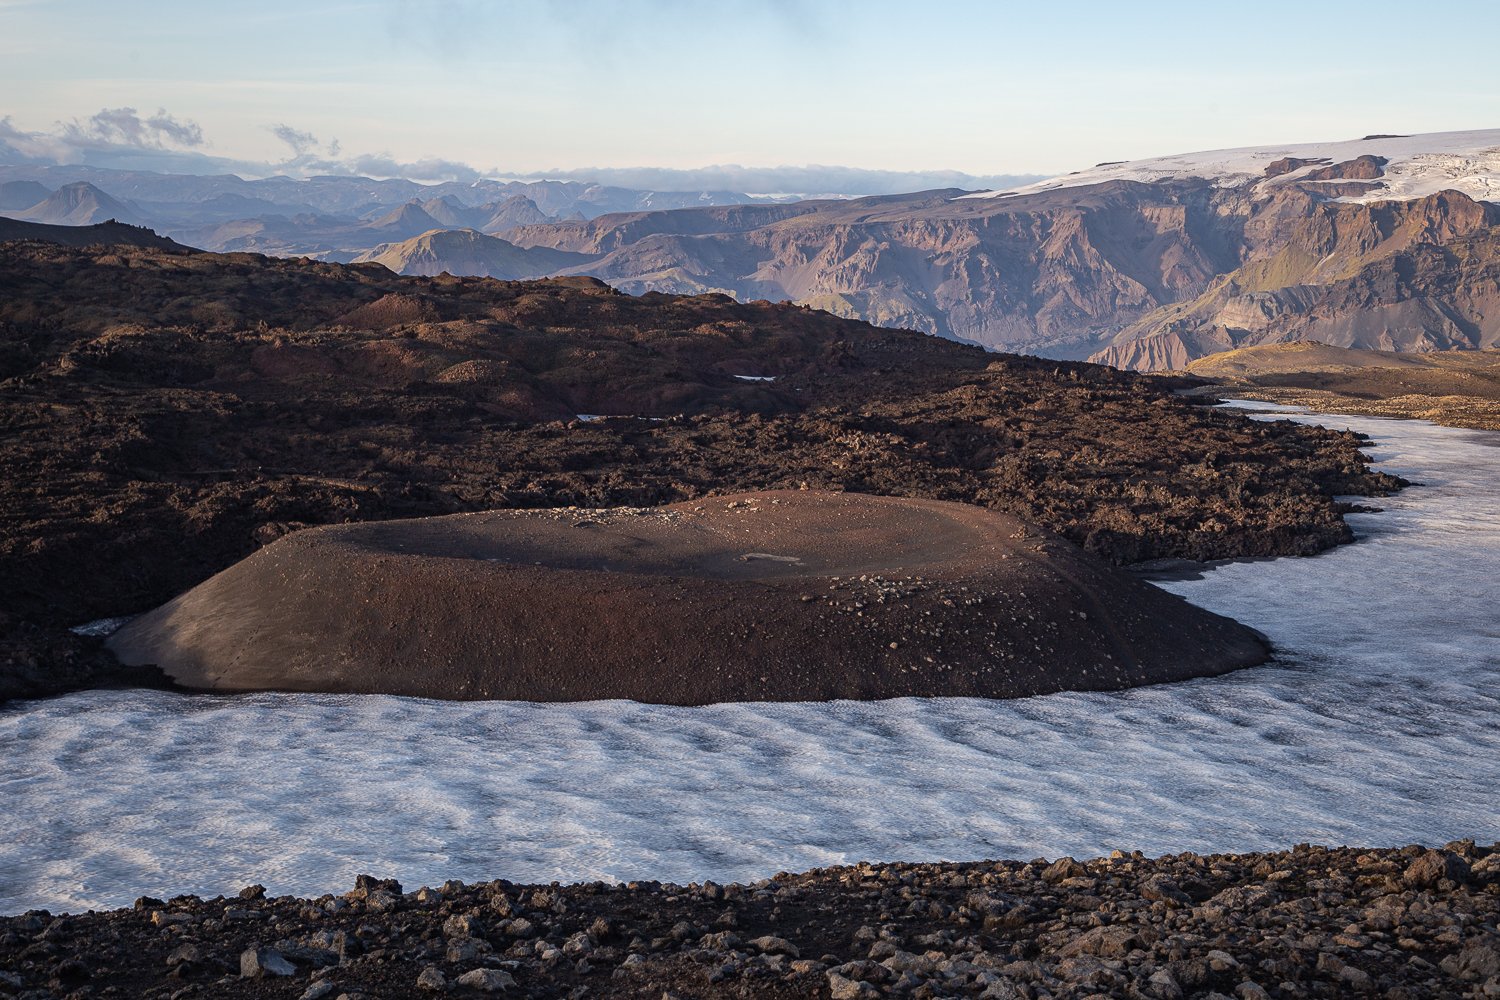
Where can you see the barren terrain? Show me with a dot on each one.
(167, 413)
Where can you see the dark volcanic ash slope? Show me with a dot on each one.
(164, 414)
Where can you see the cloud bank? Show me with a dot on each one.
(809, 180)
(124, 139)
(112, 127)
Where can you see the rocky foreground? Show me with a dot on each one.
(1311, 922)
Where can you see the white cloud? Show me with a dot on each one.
(301, 143)
(126, 127)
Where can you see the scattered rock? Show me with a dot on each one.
(1163, 889)
(1433, 866)
(775, 946)
(189, 954)
(262, 963)
(1479, 959)
(1313, 922)
(487, 980)
(1105, 942)
(840, 988)
(462, 925)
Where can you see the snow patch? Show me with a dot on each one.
(101, 627)
(589, 418)
(1419, 165)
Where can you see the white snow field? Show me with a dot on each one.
(1380, 725)
(1419, 165)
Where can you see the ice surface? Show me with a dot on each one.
(1419, 165)
(1380, 726)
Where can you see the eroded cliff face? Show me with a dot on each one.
(1143, 275)
(1052, 273)
(1421, 275)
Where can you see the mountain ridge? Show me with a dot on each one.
(1138, 269)
(468, 252)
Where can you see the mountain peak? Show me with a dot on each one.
(410, 218)
(80, 204)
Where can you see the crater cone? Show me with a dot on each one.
(768, 596)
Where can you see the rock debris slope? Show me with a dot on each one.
(1404, 924)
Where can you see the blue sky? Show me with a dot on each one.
(534, 84)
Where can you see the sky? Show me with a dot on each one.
(513, 86)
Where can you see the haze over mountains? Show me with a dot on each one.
(1386, 243)
(334, 218)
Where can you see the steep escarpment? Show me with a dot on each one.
(167, 413)
(1420, 275)
(1047, 273)
(1158, 273)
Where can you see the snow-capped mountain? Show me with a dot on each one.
(1391, 167)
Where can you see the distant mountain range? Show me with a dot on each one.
(1382, 243)
(1386, 243)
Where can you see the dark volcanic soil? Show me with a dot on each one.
(163, 414)
(1313, 922)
